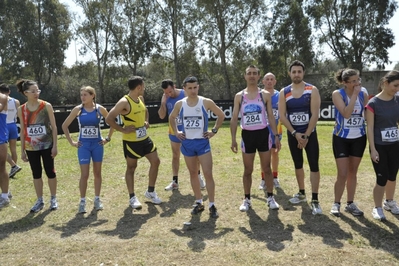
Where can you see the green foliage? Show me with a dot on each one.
(355, 31)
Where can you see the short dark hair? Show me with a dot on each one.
(252, 66)
(189, 79)
(4, 88)
(296, 63)
(166, 83)
(134, 82)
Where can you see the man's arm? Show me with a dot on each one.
(119, 108)
(162, 109)
(234, 122)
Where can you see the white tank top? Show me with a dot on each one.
(12, 111)
(195, 119)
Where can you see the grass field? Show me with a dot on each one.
(156, 235)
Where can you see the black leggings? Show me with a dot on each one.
(387, 167)
(312, 152)
(36, 165)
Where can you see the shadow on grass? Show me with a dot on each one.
(79, 223)
(29, 222)
(131, 222)
(176, 201)
(199, 231)
(322, 226)
(377, 236)
(272, 231)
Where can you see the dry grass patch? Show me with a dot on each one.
(156, 235)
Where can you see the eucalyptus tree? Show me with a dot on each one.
(95, 33)
(134, 31)
(355, 30)
(288, 36)
(34, 36)
(220, 25)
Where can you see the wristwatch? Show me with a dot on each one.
(214, 130)
(293, 133)
(108, 139)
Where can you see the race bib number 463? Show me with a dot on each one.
(89, 132)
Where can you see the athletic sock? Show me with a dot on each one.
(150, 189)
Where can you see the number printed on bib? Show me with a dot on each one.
(193, 122)
(89, 132)
(275, 113)
(355, 121)
(141, 132)
(253, 119)
(299, 119)
(390, 134)
(36, 130)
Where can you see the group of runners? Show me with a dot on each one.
(261, 113)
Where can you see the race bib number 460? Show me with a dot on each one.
(36, 130)
(389, 134)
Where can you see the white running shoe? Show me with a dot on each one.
(353, 209)
(276, 183)
(153, 197)
(53, 203)
(272, 203)
(262, 185)
(246, 204)
(335, 209)
(391, 206)
(98, 205)
(39, 204)
(14, 170)
(135, 203)
(202, 181)
(297, 198)
(82, 206)
(4, 202)
(378, 214)
(316, 209)
(172, 186)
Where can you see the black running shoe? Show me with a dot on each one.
(198, 208)
(213, 212)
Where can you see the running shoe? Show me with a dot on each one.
(335, 209)
(272, 203)
(246, 204)
(135, 203)
(38, 206)
(15, 169)
(213, 213)
(378, 214)
(172, 186)
(82, 206)
(298, 198)
(198, 207)
(153, 197)
(391, 206)
(53, 203)
(9, 195)
(4, 202)
(98, 205)
(316, 209)
(353, 209)
(262, 185)
(276, 183)
(202, 181)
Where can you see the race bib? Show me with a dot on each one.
(89, 132)
(390, 134)
(193, 122)
(275, 113)
(355, 121)
(299, 118)
(36, 130)
(253, 119)
(141, 132)
(178, 121)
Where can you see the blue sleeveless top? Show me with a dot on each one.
(353, 127)
(89, 125)
(298, 109)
